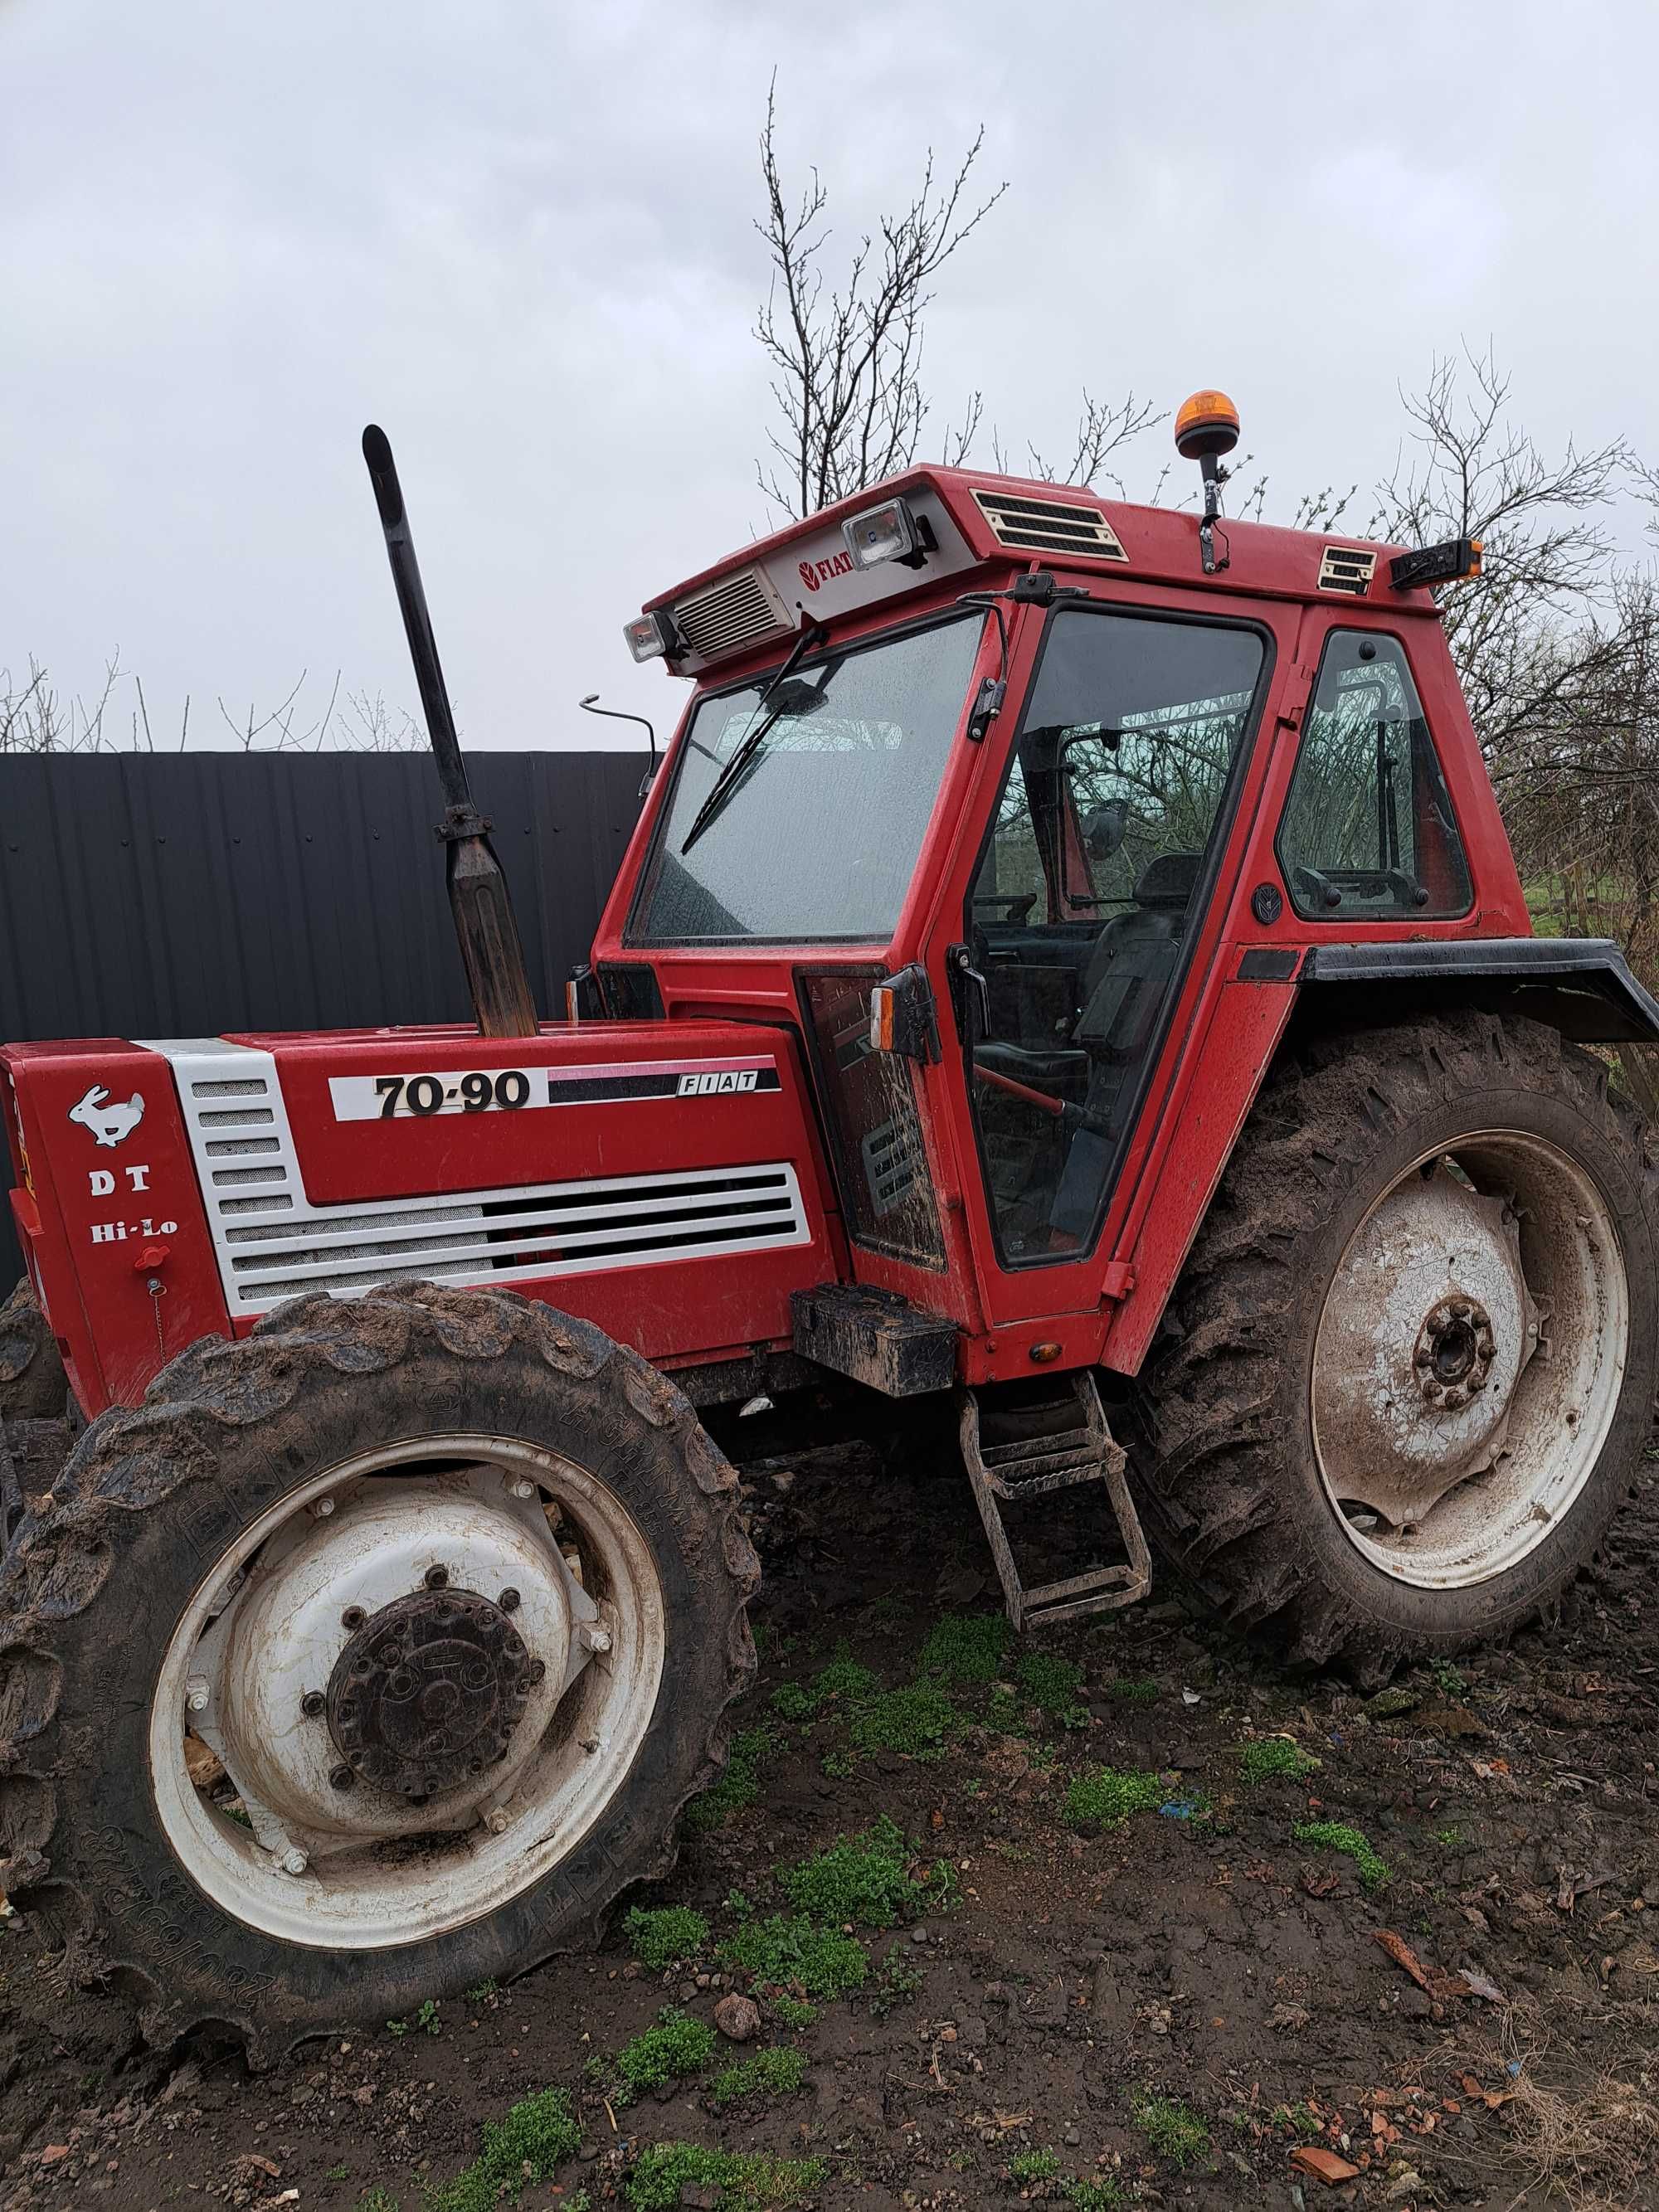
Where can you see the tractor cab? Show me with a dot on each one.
(986, 792)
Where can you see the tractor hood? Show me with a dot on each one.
(660, 1179)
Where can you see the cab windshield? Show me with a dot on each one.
(821, 793)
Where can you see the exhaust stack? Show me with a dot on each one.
(491, 951)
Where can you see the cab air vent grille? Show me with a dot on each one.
(1345, 568)
(1049, 526)
(734, 612)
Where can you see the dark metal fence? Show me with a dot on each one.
(143, 896)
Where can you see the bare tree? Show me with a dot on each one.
(35, 718)
(846, 362)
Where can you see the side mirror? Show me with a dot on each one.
(1103, 828)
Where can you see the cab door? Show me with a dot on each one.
(1083, 928)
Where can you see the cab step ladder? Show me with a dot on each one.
(1017, 1472)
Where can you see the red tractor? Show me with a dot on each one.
(1069, 982)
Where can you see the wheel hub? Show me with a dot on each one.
(1455, 1348)
(1425, 1334)
(428, 1692)
(363, 1686)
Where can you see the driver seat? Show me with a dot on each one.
(1132, 959)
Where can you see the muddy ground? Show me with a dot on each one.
(1192, 2009)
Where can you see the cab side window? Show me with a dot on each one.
(1367, 833)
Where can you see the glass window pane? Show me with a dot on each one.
(1369, 833)
(1080, 913)
(817, 835)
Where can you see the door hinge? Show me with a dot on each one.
(1117, 1280)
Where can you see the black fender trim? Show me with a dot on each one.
(1581, 984)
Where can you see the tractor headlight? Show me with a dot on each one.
(887, 533)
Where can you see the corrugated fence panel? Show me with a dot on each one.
(151, 895)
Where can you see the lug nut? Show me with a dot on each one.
(508, 1601)
(495, 1820)
(294, 1862)
(313, 1702)
(197, 1693)
(538, 1667)
(437, 1577)
(594, 1638)
(342, 1777)
(323, 1508)
(353, 1617)
(522, 1489)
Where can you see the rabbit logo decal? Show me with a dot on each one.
(108, 1123)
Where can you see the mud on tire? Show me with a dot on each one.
(1226, 1468)
(33, 1384)
(151, 1499)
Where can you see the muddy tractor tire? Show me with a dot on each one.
(369, 1659)
(33, 1384)
(1407, 1377)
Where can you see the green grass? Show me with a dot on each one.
(897, 1984)
(797, 1953)
(1173, 2130)
(1033, 2166)
(919, 1722)
(790, 2010)
(738, 1786)
(1051, 1684)
(536, 2138)
(1133, 1694)
(1106, 1797)
(1273, 1758)
(844, 1682)
(660, 1939)
(865, 1880)
(746, 2181)
(675, 2047)
(966, 1648)
(1351, 1842)
(1103, 2194)
(775, 2073)
(377, 2200)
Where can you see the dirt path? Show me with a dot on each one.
(1191, 2007)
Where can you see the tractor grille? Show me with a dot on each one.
(733, 612)
(1049, 526)
(273, 1243)
(1345, 568)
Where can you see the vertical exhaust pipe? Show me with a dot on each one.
(491, 951)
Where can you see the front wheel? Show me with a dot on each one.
(1410, 1371)
(370, 1658)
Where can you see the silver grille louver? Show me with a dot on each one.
(273, 1243)
(734, 612)
(1049, 526)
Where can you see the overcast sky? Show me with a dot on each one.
(519, 236)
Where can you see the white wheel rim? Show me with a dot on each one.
(375, 1870)
(1468, 1360)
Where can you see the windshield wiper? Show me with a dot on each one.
(726, 781)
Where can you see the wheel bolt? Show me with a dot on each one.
(353, 1617)
(594, 1638)
(294, 1862)
(538, 1667)
(342, 1777)
(437, 1577)
(524, 1490)
(508, 1601)
(313, 1703)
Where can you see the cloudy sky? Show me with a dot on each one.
(519, 236)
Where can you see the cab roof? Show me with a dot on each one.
(805, 571)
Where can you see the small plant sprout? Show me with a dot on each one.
(1349, 1842)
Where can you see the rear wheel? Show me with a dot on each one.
(1410, 1371)
(370, 1658)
